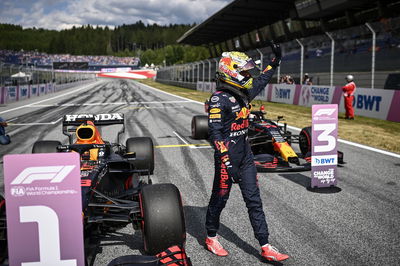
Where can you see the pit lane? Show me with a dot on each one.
(357, 224)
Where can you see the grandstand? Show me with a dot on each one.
(248, 25)
(44, 60)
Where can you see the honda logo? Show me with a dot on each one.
(55, 174)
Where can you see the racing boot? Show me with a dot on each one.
(215, 247)
(271, 253)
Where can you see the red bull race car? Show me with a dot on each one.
(270, 142)
(116, 186)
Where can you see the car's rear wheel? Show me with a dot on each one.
(45, 146)
(305, 139)
(3, 230)
(200, 127)
(163, 220)
(144, 153)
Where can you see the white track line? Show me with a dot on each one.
(181, 138)
(191, 146)
(37, 124)
(100, 104)
(180, 97)
(361, 146)
(45, 100)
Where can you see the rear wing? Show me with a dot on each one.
(98, 120)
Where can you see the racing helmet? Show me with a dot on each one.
(237, 69)
(349, 78)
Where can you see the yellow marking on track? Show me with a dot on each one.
(181, 145)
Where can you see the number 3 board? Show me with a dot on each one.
(324, 145)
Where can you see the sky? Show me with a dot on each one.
(64, 14)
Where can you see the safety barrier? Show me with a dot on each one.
(377, 103)
(20, 92)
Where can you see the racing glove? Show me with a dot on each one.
(276, 49)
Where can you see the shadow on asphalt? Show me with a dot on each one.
(298, 178)
(305, 181)
(195, 226)
(133, 241)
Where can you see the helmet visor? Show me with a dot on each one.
(250, 69)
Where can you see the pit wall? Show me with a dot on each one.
(377, 103)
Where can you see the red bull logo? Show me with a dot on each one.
(243, 125)
(220, 145)
(244, 113)
(223, 177)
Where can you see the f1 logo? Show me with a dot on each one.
(55, 174)
(325, 112)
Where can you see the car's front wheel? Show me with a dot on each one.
(45, 146)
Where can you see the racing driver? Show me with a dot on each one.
(239, 81)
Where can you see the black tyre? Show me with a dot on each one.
(45, 146)
(163, 220)
(289, 137)
(144, 150)
(305, 139)
(200, 127)
(3, 230)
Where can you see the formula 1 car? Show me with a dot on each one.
(270, 142)
(116, 186)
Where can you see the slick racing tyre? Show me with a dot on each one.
(144, 151)
(305, 139)
(200, 127)
(163, 221)
(3, 230)
(45, 146)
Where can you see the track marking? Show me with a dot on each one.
(102, 104)
(45, 100)
(361, 146)
(192, 146)
(184, 145)
(177, 96)
(35, 124)
(154, 107)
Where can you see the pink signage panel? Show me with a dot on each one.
(44, 209)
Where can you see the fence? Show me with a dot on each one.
(368, 52)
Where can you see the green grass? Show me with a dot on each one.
(364, 130)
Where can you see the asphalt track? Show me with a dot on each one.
(357, 224)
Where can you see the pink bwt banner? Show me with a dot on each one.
(324, 145)
(44, 209)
